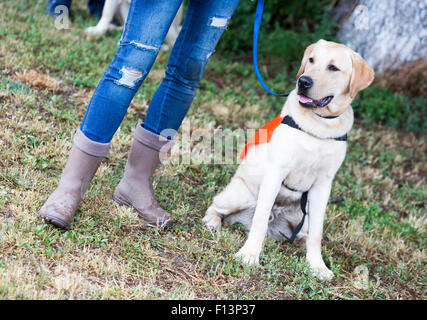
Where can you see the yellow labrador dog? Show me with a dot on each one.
(292, 172)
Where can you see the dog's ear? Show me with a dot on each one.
(362, 75)
(307, 53)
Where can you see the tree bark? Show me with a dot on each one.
(389, 34)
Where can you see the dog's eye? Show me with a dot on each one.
(311, 60)
(331, 67)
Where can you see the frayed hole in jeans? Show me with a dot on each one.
(129, 77)
(219, 22)
(144, 46)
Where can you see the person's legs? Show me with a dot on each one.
(50, 9)
(147, 24)
(204, 23)
(95, 7)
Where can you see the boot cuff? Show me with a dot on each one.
(152, 140)
(89, 146)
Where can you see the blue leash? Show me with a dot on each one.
(257, 25)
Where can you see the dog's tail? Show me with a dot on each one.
(282, 222)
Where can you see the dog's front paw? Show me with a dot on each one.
(322, 272)
(95, 31)
(248, 257)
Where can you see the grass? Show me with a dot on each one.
(376, 225)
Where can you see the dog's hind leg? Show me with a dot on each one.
(234, 198)
(124, 10)
(108, 12)
(212, 219)
(173, 30)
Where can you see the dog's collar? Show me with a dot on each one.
(289, 121)
(326, 117)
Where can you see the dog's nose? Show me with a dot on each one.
(305, 82)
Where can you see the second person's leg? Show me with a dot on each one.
(95, 7)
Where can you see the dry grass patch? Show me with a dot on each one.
(38, 80)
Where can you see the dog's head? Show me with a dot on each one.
(331, 73)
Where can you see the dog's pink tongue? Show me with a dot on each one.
(304, 99)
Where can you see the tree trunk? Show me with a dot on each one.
(389, 34)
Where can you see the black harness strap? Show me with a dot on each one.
(304, 211)
(288, 120)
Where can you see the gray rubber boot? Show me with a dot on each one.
(135, 189)
(83, 161)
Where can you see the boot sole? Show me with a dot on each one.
(120, 202)
(59, 223)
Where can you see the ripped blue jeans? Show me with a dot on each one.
(146, 27)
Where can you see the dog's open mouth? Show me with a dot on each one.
(311, 103)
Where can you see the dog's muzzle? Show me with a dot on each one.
(304, 84)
